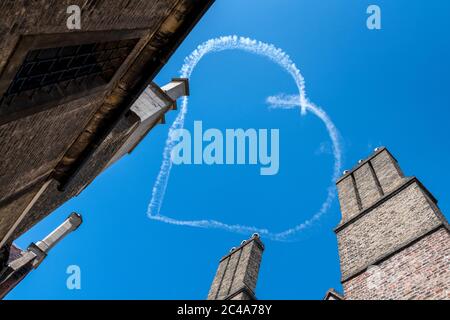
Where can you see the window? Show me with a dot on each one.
(52, 72)
(48, 70)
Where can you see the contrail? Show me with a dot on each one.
(283, 60)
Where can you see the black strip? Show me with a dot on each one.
(177, 309)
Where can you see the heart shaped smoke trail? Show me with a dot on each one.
(286, 102)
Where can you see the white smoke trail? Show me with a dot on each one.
(283, 101)
(282, 59)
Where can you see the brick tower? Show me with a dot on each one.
(238, 272)
(394, 242)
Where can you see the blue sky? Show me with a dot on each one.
(386, 87)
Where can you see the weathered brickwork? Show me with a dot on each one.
(393, 223)
(366, 185)
(387, 171)
(14, 206)
(38, 142)
(421, 271)
(21, 17)
(53, 198)
(100, 159)
(393, 240)
(348, 198)
(237, 274)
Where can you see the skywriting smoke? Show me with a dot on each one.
(284, 102)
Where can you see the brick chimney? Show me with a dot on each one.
(238, 272)
(394, 242)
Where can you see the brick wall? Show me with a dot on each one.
(368, 182)
(393, 223)
(421, 271)
(38, 142)
(393, 240)
(58, 140)
(20, 17)
(31, 147)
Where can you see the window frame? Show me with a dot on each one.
(28, 43)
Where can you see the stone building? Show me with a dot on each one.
(394, 242)
(74, 101)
